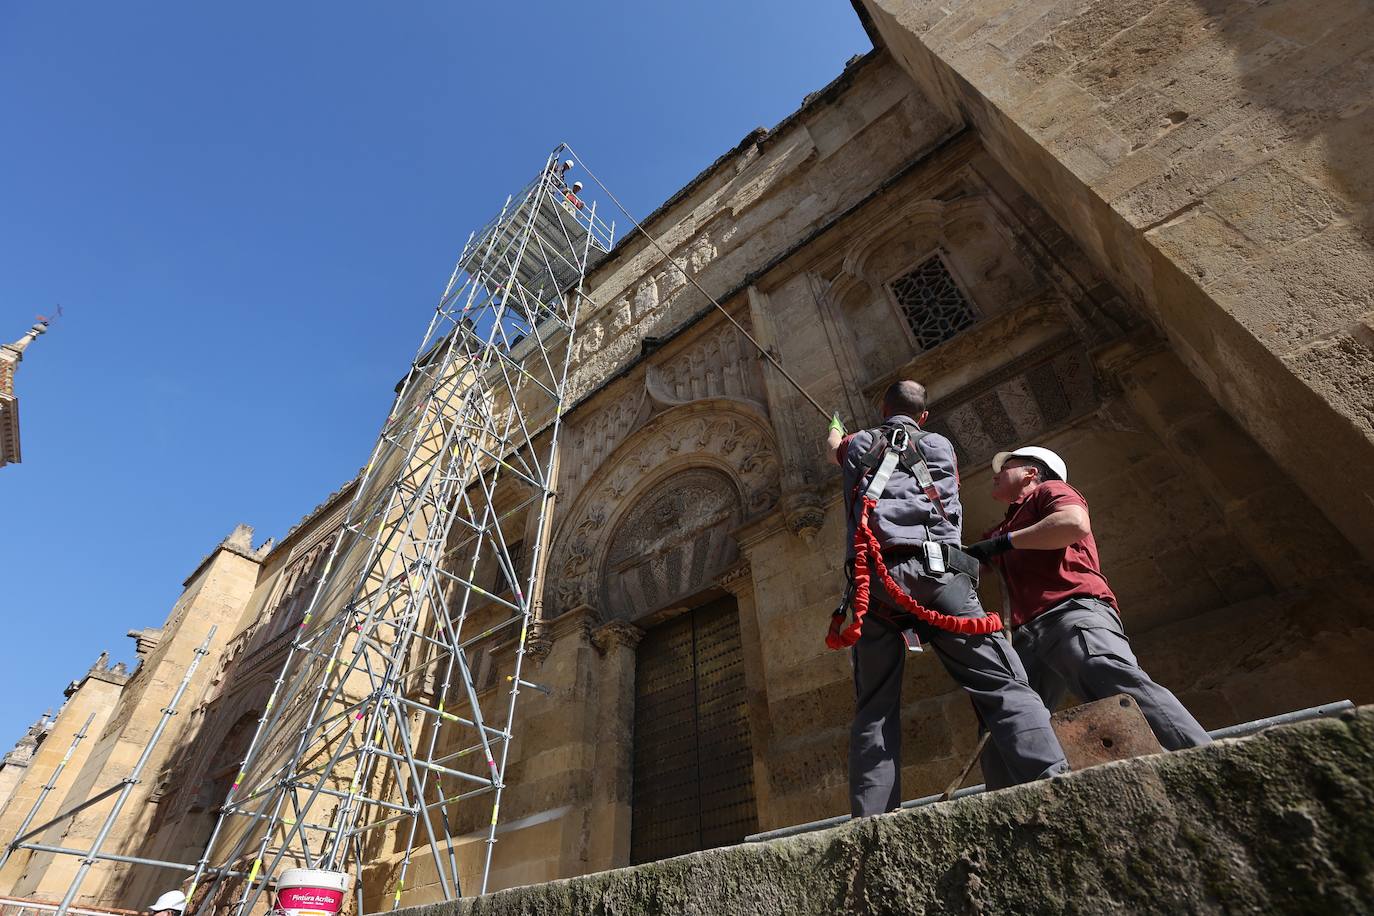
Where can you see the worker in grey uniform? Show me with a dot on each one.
(904, 519)
(1068, 630)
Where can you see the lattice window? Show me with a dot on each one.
(932, 303)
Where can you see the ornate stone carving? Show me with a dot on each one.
(589, 442)
(539, 643)
(608, 335)
(671, 543)
(738, 580)
(616, 633)
(1037, 393)
(804, 514)
(724, 436)
(718, 364)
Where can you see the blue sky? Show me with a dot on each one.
(247, 211)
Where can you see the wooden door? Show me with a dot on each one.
(693, 761)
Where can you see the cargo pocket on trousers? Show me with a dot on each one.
(1104, 641)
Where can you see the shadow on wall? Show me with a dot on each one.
(1304, 69)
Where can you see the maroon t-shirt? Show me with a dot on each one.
(1037, 580)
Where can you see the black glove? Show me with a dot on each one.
(986, 550)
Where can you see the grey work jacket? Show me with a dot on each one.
(904, 516)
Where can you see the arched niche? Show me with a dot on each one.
(673, 541)
(703, 444)
(971, 240)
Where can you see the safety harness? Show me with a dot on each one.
(893, 447)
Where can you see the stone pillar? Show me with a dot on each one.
(1263, 507)
(96, 692)
(739, 581)
(1306, 642)
(792, 419)
(608, 845)
(15, 764)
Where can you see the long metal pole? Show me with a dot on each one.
(113, 857)
(43, 794)
(133, 778)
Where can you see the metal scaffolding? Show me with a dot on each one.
(120, 791)
(391, 721)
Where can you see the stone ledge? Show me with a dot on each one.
(1279, 822)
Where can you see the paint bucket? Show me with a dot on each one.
(310, 892)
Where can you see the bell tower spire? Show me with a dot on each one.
(10, 356)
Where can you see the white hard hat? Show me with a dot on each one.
(172, 900)
(577, 185)
(1044, 455)
(567, 164)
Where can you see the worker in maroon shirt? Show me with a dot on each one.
(1066, 625)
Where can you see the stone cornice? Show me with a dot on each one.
(738, 580)
(759, 528)
(575, 621)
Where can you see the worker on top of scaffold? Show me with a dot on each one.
(1067, 631)
(901, 486)
(570, 198)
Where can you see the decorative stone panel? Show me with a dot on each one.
(1046, 389)
(718, 435)
(672, 543)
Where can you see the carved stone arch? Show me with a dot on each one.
(921, 219)
(673, 541)
(203, 779)
(890, 246)
(713, 436)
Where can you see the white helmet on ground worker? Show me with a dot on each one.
(1049, 459)
(175, 901)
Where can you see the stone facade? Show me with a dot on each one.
(90, 702)
(905, 222)
(13, 764)
(1209, 157)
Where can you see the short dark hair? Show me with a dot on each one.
(906, 397)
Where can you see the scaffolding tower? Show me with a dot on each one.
(391, 722)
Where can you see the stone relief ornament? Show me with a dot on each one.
(672, 543)
(702, 438)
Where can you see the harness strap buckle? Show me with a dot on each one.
(881, 475)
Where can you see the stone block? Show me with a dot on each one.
(1135, 51)
(1026, 24)
(1204, 244)
(1273, 207)
(1098, 24)
(1338, 366)
(1310, 288)
(1334, 159)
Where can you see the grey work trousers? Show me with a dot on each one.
(985, 666)
(1080, 646)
